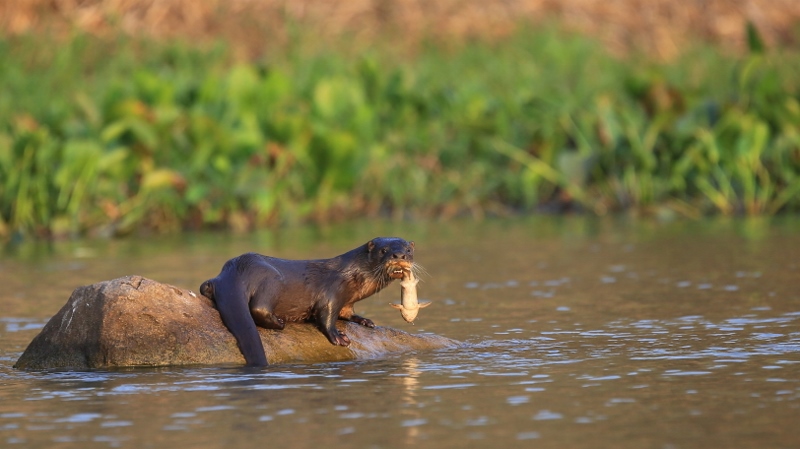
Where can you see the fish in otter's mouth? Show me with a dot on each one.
(396, 270)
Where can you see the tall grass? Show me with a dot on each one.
(111, 138)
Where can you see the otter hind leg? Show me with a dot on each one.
(231, 302)
(266, 319)
(262, 306)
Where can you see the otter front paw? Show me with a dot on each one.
(362, 321)
(338, 338)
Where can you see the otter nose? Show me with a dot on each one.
(401, 256)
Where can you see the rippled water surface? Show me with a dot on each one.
(581, 333)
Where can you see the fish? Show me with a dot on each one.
(409, 305)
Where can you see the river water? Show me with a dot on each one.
(581, 333)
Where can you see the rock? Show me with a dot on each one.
(134, 321)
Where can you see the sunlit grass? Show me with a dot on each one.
(114, 137)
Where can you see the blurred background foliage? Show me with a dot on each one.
(119, 117)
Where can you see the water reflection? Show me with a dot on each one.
(412, 417)
(532, 386)
(581, 334)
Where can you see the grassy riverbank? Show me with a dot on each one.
(116, 136)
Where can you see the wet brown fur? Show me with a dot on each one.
(253, 289)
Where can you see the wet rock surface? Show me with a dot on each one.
(135, 321)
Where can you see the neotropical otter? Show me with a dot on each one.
(266, 291)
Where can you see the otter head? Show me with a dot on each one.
(393, 255)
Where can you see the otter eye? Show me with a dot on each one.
(384, 251)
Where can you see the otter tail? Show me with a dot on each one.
(232, 303)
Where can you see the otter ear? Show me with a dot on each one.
(411, 244)
(370, 246)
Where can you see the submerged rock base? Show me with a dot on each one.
(135, 321)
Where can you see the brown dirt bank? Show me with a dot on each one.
(659, 27)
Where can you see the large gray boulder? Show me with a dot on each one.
(134, 321)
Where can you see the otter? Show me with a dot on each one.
(256, 290)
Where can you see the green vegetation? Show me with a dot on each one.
(109, 138)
